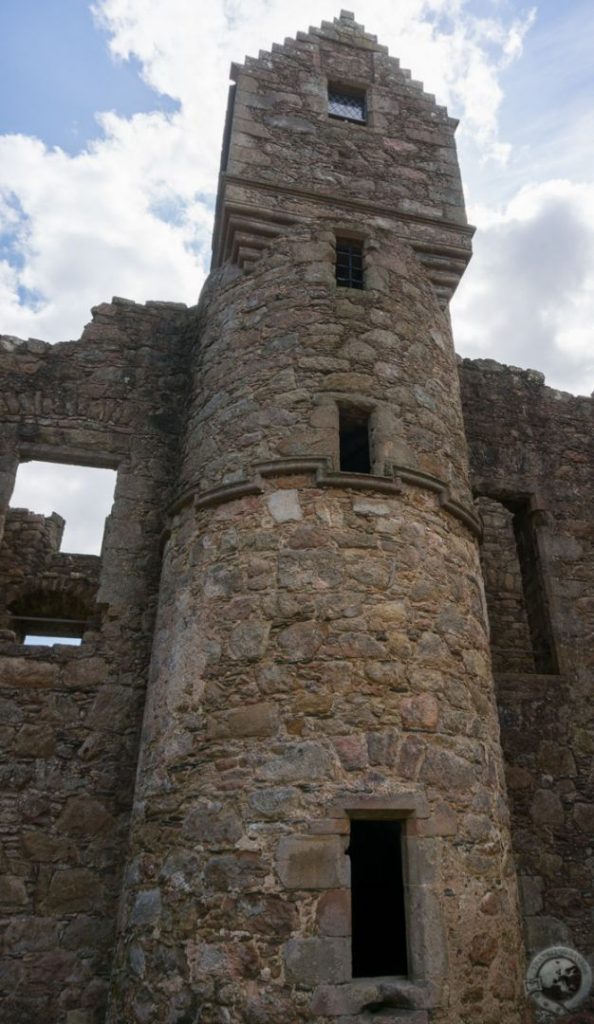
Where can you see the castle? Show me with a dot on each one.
(270, 785)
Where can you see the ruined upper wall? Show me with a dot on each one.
(531, 443)
(71, 715)
(285, 159)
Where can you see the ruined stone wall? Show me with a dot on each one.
(40, 581)
(320, 651)
(530, 441)
(70, 715)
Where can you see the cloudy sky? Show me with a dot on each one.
(111, 117)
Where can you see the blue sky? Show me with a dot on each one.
(110, 126)
(56, 73)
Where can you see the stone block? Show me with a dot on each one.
(284, 506)
(304, 762)
(421, 713)
(584, 818)
(386, 999)
(273, 804)
(40, 846)
(312, 862)
(37, 740)
(301, 641)
(13, 892)
(446, 770)
(72, 890)
(25, 672)
(531, 891)
(547, 809)
(333, 913)
(311, 961)
(212, 823)
(249, 641)
(253, 720)
(30, 935)
(84, 815)
(542, 931)
(352, 751)
(147, 907)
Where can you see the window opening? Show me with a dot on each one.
(349, 264)
(537, 610)
(353, 427)
(347, 104)
(53, 616)
(379, 941)
(38, 640)
(522, 638)
(82, 495)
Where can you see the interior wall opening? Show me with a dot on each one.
(522, 638)
(82, 495)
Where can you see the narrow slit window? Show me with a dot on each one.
(347, 104)
(353, 426)
(349, 264)
(379, 941)
(522, 634)
(537, 609)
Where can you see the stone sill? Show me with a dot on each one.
(527, 685)
(389, 997)
(49, 652)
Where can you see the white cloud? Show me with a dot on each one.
(132, 213)
(528, 296)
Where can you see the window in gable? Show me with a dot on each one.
(347, 104)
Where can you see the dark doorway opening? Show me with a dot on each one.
(377, 894)
(355, 455)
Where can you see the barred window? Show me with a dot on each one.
(347, 104)
(349, 263)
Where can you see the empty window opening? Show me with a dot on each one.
(519, 616)
(379, 942)
(349, 263)
(353, 426)
(33, 640)
(347, 104)
(48, 616)
(537, 608)
(82, 495)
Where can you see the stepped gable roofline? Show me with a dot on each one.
(348, 32)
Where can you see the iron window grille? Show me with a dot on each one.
(349, 264)
(347, 104)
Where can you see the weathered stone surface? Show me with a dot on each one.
(284, 506)
(72, 890)
(333, 913)
(83, 815)
(318, 862)
(309, 961)
(255, 720)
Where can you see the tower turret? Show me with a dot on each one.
(319, 831)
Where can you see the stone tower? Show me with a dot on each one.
(319, 830)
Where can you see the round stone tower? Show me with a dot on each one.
(320, 827)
